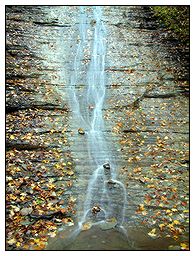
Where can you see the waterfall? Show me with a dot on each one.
(105, 196)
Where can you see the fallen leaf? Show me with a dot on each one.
(136, 170)
(120, 124)
(81, 131)
(11, 241)
(57, 166)
(176, 222)
(52, 234)
(50, 185)
(70, 173)
(152, 233)
(45, 161)
(67, 220)
(184, 246)
(141, 207)
(18, 244)
(12, 137)
(63, 210)
(69, 183)
(171, 227)
(161, 226)
(86, 226)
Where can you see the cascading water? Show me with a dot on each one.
(105, 196)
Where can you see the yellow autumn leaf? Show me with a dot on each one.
(26, 247)
(50, 185)
(137, 169)
(69, 183)
(163, 198)
(40, 246)
(64, 130)
(12, 137)
(176, 222)
(36, 240)
(141, 207)
(161, 226)
(57, 166)
(86, 226)
(13, 197)
(70, 173)
(18, 244)
(144, 213)
(52, 234)
(171, 227)
(22, 198)
(66, 220)
(45, 161)
(11, 241)
(151, 186)
(120, 124)
(184, 246)
(72, 199)
(152, 233)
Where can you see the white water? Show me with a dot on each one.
(88, 115)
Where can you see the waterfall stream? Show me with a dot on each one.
(105, 197)
(97, 121)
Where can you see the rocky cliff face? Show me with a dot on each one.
(146, 127)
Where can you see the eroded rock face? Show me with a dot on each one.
(145, 113)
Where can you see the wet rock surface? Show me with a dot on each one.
(146, 122)
(106, 166)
